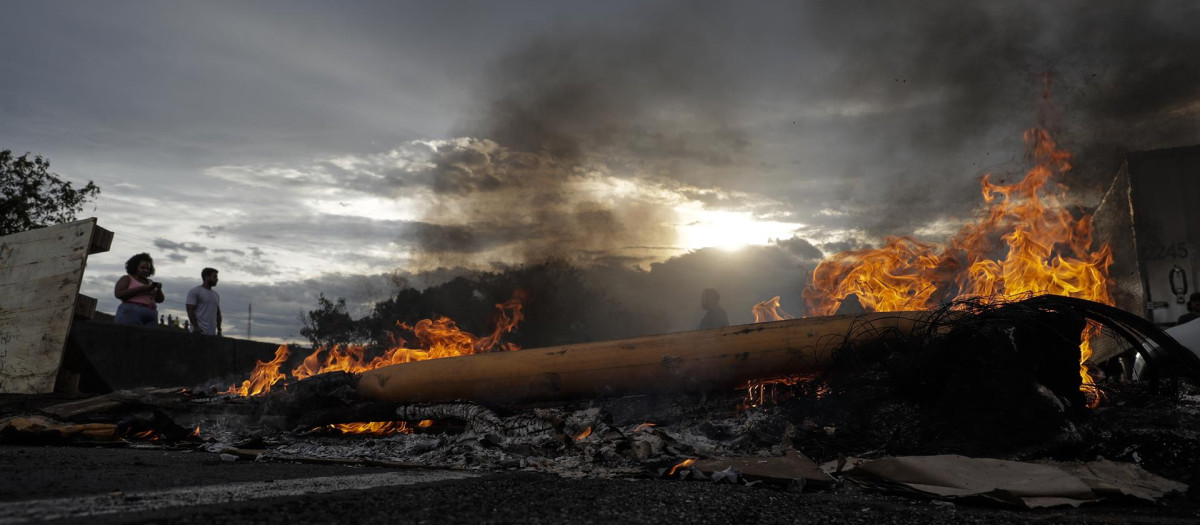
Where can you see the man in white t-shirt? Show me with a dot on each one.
(204, 305)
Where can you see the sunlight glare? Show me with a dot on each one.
(727, 230)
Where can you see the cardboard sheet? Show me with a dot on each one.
(1029, 485)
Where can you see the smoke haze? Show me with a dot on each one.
(291, 141)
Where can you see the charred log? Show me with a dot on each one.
(699, 361)
(478, 419)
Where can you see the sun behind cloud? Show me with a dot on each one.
(727, 230)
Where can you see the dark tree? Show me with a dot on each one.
(560, 307)
(329, 324)
(31, 196)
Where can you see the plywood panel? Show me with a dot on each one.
(40, 274)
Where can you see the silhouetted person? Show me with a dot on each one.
(1193, 309)
(715, 316)
(138, 294)
(851, 305)
(204, 305)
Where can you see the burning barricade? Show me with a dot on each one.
(960, 352)
(978, 379)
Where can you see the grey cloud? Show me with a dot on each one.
(843, 246)
(469, 238)
(316, 230)
(210, 231)
(455, 169)
(251, 266)
(483, 166)
(485, 196)
(341, 232)
(800, 248)
(715, 199)
(463, 170)
(173, 246)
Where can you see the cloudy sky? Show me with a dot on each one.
(319, 147)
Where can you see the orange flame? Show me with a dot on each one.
(263, 376)
(436, 338)
(1046, 251)
(758, 391)
(770, 310)
(196, 431)
(380, 428)
(585, 433)
(425, 423)
(644, 426)
(686, 463)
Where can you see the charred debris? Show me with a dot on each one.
(973, 379)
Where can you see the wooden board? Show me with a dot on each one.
(40, 274)
(684, 362)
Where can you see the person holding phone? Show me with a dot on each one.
(138, 294)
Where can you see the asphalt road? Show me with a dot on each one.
(106, 485)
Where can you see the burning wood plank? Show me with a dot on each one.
(33, 428)
(720, 359)
(691, 362)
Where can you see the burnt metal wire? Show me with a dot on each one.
(991, 316)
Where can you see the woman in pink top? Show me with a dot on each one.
(138, 294)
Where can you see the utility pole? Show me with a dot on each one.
(249, 319)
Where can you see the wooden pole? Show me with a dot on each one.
(684, 362)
